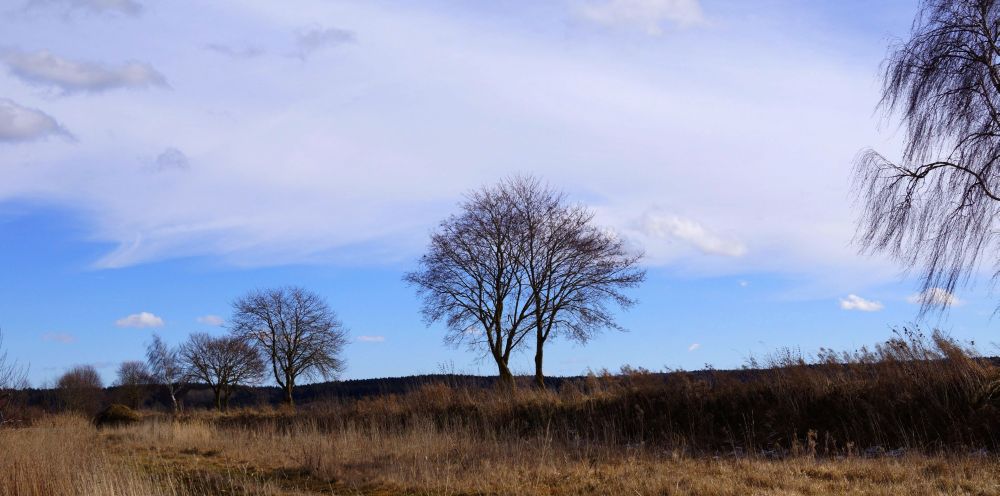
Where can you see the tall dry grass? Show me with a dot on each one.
(913, 415)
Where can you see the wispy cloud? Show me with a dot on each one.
(140, 320)
(855, 302)
(308, 41)
(19, 124)
(59, 337)
(42, 68)
(647, 15)
(236, 52)
(127, 7)
(371, 339)
(694, 346)
(935, 297)
(668, 226)
(212, 320)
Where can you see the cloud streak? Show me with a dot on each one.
(59, 337)
(673, 227)
(126, 7)
(43, 68)
(648, 15)
(211, 320)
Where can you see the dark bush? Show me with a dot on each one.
(116, 415)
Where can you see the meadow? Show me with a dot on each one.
(916, 414)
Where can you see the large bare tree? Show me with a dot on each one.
(295, 330)
(471, 278)
(223, 363)
(935, 208)
(165, 367)
(573, 268)
(520, 260)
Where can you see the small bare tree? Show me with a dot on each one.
(223, 363)
(81, 389)
(133, 382)
(13, 378)
(472, 280)
(296, 332)
(572, 267)
(166, 369)
(936, 208)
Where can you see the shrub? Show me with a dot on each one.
(116, 415)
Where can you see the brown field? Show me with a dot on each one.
(913, 416)
(65, 455)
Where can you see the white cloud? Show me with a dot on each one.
(46, 69)
(935, 297)
(140, 320)
(648, 15)
(744, 284)
(694, 346)
(855, 302)
(59, 337)
(310, 40)
(371, 339)
(128, 7)
(212, 320)
(19, 123)
(666, 226)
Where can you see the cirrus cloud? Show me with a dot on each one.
(371, 339)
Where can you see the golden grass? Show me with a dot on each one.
(66, 456)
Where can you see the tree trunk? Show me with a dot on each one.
(539, 376)
(506, 378)
(288, 394)
(218, 399)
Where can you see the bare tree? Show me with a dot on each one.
(572, 267)
(133, 381)
(223, 363)
(166, 369)
(472, 278)
(935, 208)
(13, 378)
(81, 389)
(295, 330)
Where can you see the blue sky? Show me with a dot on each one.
(159, 159)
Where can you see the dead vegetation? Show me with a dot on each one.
(914, 415)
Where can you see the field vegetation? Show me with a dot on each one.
(915, 414)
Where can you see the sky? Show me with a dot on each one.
(160, 159)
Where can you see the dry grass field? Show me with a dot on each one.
(916, 415)
(65, 455)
